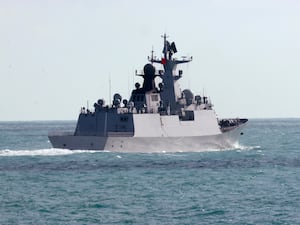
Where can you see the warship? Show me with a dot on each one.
(156, 118)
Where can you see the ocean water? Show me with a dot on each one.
(258, 182)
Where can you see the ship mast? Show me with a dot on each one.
(170, 88)
(165, 45)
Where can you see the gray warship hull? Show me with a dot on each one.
(227, 140)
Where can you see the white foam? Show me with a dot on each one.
(57, 152)
(251, 147)
(42, 152)
(243, 147)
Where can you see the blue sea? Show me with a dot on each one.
(258, 182)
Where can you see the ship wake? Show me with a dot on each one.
(42, 152)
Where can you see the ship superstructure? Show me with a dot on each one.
(155, 118)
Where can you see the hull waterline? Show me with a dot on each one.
(148, 144)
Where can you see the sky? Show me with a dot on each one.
(59, 55)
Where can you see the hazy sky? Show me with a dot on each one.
(55, 55)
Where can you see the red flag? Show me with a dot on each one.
(163, 61)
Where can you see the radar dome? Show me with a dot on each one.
(101, 102)
(125, 102)
(137, 85)
(117, 96)
(189, 96)
(149, 70)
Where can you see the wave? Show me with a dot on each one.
(59, 152)
(43, 152)
(244, 147)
